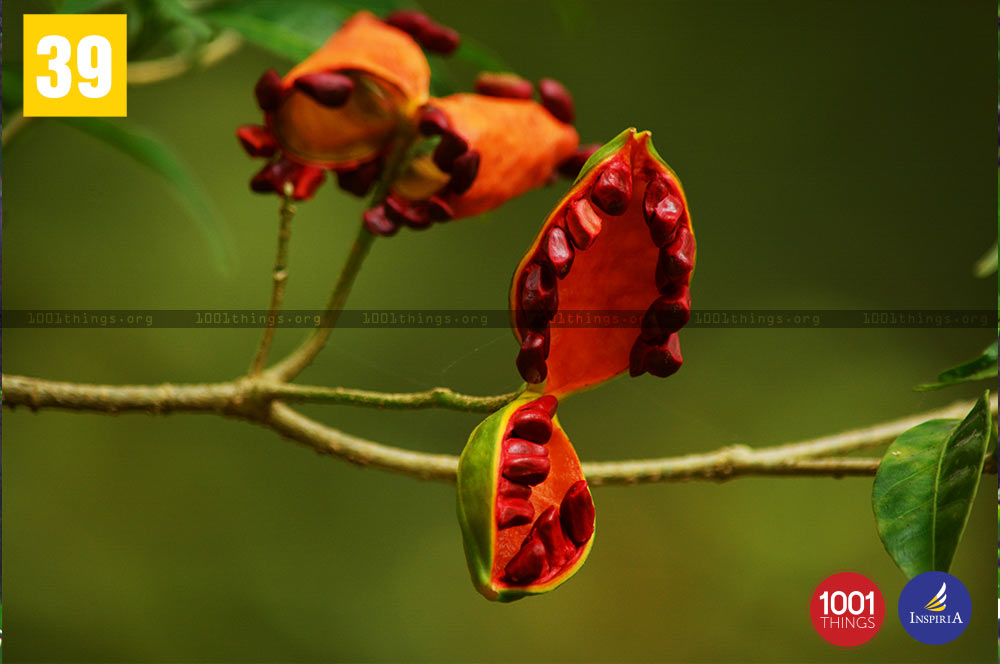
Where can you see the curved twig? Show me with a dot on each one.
(258, 401)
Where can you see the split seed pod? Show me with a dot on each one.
(526, 513)
(619, 240)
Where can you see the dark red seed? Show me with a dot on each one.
(508, 489)
(326, 87)
(274, 176)
(438, 209)
(612, 192)
(572, 165)
(637, 358)
(548, 403)
(410, 21)
(527, 564)
(258, 141)
(676, 260)
(359, 180)
(412, 214)
(666, 315)
(439, 39)
(512, 513)
(583, 223)
(433, 121)
(664, 360)
(307, 180)
(377, 223)
(657, 188)
(532, 424)
(521, 447)
(268, 91)
(577, 513)
(451, 147)
(463, 171)
(663, 223)
(529, 470)
(539, 294)
(531, 358)
(558, 251)
(557, 100)
(548, 530)
(503, 84)
(263, 182)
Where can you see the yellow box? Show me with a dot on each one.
(75, 65)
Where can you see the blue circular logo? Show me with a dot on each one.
(934, 608)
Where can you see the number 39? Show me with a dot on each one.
(90, 48)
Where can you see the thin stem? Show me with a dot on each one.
(256, 401)
(279, 279)
(301, 357)
(223, 45)
(13, 123)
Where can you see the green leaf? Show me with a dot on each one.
(925, 486)
(81, 6)
(290, 29)
(981, 368)
(152, 153)
(986, 265)
(13, 86)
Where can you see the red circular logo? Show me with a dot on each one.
(847, 609)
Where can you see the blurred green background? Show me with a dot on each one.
(835, 155)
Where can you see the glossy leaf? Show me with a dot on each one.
(152, 153)
(925, 487)
(981, 368)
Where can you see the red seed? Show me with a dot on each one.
(359, 180)
(558, 251)
(463, 171)
(531, 358)
(527, 564)
(377, 223)
(451, 147)
(326, 87)
(583, 223)
(666, 315)
(433, 121)
(572, 165)
(530, 470)
(410, 21)
(431, 36)
(664, 360)
(262, 182)
(508, 489)
(439, 209)
(548, 530)
(637, 358)
(557, 100)
(521, 447)
(548, 403)
(676, 260)
(268, 91)
(532, 424)
(539, 294)
(258, 141)
(412, 214)
(512, 513)
(612, 192)
(662, 209)
(440, 39)
(577, 513)
(307, 180)
(503, 84)
(274, 176)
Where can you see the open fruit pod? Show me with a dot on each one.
(619, 241)
(343, 108)
(474, 160)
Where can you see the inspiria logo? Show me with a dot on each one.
(935, 608)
